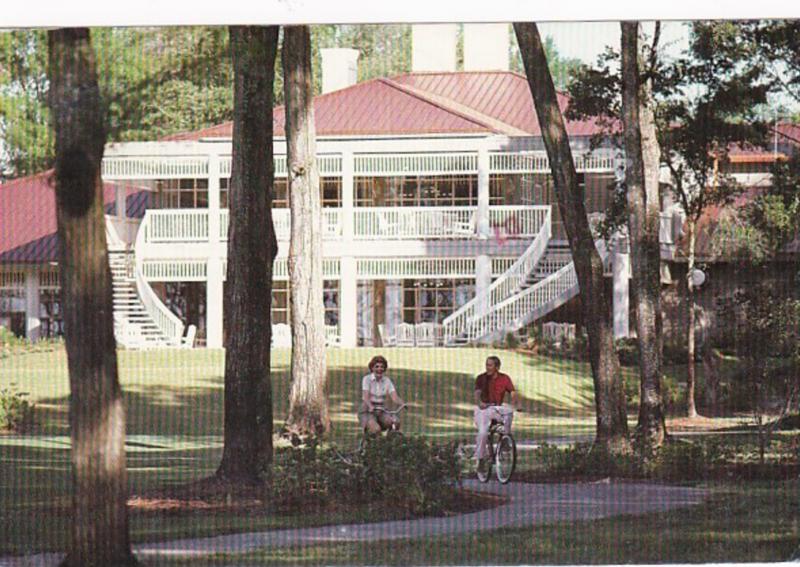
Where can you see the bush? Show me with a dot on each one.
(16, 412)
(401, 472)
(628, 352)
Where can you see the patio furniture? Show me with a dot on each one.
(405, 335)
(387, 339)
(424, 334)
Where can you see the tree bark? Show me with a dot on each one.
(612, 426)
(99, 524)
(378, 286)
(252, 247)
(308, 404)
(691, 408)
(641, 177)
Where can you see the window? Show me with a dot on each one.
(431, 301)
(182, 193)
(418, 191)
(330, 192)
(50, 314)
(281, 308)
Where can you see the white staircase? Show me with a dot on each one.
(141, 320)
(133, 325)
(541, 280)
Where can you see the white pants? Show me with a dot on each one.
(483, 419)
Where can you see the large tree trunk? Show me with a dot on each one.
(99, 524)
(252, 247)
(612, 426)
(378, 286)
(691, 408)
(308, 409)
(641, 177)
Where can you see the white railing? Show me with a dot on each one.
(124, 230)
(518, 221)
(415, 164)
(503, 287)
(391, 223)
(170, 326)
(538, 162)
(175, 225)
(154, 167)
(282, 222)
(329, 165)
(370, 223)
(414, 268)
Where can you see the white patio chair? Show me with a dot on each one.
(405, 335)
(424, 334)
(281, 335)
(188, 340)
(387, 339)
(332, 338)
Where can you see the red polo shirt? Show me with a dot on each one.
(493, 389)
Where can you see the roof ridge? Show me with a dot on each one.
(462, 110)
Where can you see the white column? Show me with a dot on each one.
(484, 229)
(348, 302)
(33, 325)
(348, 196)
(214, 302)
(483, 279)
(120, 198)
(620, 269)
(348, 284)
(214, 286)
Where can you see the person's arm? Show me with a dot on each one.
(365, 395)
(478, 400)
(396, 399)
(515, 400)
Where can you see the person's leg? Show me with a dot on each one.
(386, 420)
(506, 415)
(368, 422)
(482, 421)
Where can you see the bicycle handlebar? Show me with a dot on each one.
(390, 412)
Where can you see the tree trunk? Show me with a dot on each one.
(252, 247)
(308, 409)
(99, 523)
(691, 409)
(641, 177)
(612, 426)
(378, 286)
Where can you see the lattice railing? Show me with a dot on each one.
(413, 268)
(538, 162)
(176, 270)
(154, 167)
(380, 165)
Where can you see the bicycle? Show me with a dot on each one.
(393, 429)
(502, 455)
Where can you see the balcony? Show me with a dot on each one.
(369, 223)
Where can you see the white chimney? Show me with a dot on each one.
(486, 47)
(433, 47)
(339, 68)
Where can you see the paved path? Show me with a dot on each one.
(529, 504)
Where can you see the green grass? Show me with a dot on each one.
(175, 399)
(754, 522)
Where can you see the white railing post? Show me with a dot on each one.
(482, 220)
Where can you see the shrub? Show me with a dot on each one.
(16, 412)
(402, 472)
(628, 352)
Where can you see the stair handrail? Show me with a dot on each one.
(503, 287)
(170, 326)
(516, 308)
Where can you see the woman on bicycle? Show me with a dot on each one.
(375, 387)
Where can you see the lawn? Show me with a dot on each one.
(174, 401)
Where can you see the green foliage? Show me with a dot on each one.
(562, 69)
(406, 473)
(16, 412)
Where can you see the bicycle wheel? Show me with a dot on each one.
(505, 458)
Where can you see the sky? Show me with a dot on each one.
(586, 40)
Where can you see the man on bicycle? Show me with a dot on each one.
(375, 387)
(490, 390)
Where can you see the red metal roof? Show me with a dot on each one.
(423, 103)
(28, 217)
